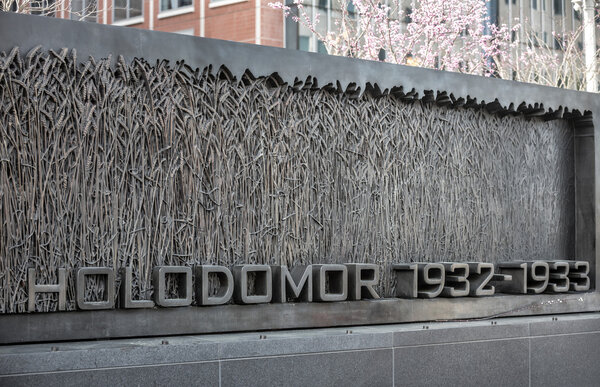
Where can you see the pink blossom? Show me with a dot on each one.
(452, 35)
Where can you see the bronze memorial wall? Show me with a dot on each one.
(148, 177)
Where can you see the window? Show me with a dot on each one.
(303, 43)
(558, 6)
(39, 7)
(189, 31)
(299, 37)
(350, 8)
(534, 4)
(321, 47)
(83, 10)
(407, 15)
(536, 39)
(557, 43)
(543, 5)
(166, 5)
(127, 9)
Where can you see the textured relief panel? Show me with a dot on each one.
(143, 165)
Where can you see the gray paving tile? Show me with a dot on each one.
(484, 363)
(566, 360)
(192, 374)
(354, 368)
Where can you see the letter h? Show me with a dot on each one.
(60, 288)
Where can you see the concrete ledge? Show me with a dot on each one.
(492, 352)
(104, 324)
(572, 324)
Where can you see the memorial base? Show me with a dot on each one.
(548, 350)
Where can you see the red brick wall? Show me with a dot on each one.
(179, 22)
(229, 22)
(271, 25)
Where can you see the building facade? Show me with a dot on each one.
(247, 21)
(540, 18)
(254, 21)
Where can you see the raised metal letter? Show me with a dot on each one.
(362, 277)
(298, 282)
(109, 301)
(578, 275)
(538, 276)
(336, 276)
(480, 274)
(225, 290)
(559, 277)
(60, 288)
(159, 281)
(262, 284)
(431, 280)
(125, 292)
(456, 284)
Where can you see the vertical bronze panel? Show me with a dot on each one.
(144, 165)
(585, 214)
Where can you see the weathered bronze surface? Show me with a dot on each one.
(142, 165)
(177, 151)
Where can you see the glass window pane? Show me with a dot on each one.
(120, 10)
(166, 4)
(135, 8)
(76, 8)
(321, 27)
(303, 43)
(120, 14)
(41, 7)
(350, 8)
(557, 7)
(321, 47)
(120, 4)
(90, 10)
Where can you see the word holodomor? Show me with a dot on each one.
(322, 282)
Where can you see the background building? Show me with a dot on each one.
(540, 18)
(248, 21)
(253, 21)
